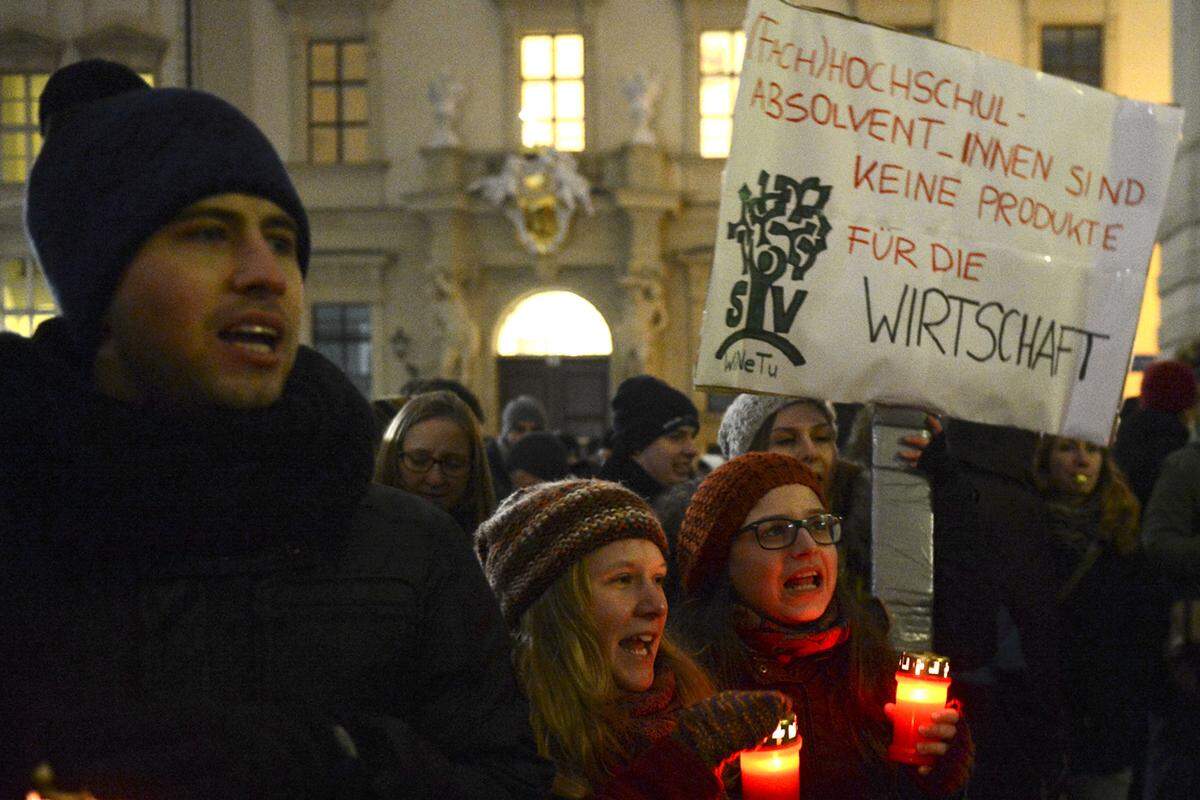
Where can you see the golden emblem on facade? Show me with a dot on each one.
(539, 193)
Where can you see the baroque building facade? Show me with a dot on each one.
(398, 118)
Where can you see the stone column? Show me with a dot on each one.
(697, 266)
(457, 341)
(1179, 233)
(639, 175)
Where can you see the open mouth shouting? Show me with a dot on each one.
(640, 646)
(809, 579)
(256, 338)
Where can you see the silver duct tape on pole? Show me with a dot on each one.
(901, 530)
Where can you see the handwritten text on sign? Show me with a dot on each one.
(907, 221)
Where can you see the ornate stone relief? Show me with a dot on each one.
(539, 193)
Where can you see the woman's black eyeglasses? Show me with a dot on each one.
(777, 533)
(421, 461)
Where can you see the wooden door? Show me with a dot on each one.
(574, 390)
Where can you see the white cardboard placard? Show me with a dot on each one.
(911, 222)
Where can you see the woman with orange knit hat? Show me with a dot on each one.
(578, 567)
(758, 558)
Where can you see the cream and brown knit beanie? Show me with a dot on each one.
(748, 412)
(539, 532)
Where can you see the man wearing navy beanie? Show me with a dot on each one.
(654, 437)
(202, 595)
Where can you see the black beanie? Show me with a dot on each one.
(645, 408)
(541, 454)
(121, 160)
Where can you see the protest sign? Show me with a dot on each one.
(911, 222)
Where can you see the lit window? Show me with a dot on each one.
(25, 295)
(1145, 341)
(337, 102)
(20, 140)
(342, 333)
(554, 324)
(552, 91)
(720, 65)
(1075, 52)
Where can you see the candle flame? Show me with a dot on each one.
(924, 691)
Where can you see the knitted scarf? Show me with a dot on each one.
(1075, 524)
(650, 714)
(93, 470)
(788, 643)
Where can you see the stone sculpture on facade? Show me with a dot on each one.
(401, 344)
(445, 94)
(641, 92)
(539, 193)
(645, 322)
(460, 338)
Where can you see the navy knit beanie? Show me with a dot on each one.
(645, 408)
(120, 160)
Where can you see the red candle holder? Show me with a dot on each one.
(771, 771)
(922, 680)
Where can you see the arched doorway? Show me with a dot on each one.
(556, 346)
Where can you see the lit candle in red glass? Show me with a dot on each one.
(771, 771)
(922, 680)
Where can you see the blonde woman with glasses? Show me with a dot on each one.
(433, 449)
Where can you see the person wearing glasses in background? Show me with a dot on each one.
(433, 449)
(758, 558)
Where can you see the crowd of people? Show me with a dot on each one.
(226, 575)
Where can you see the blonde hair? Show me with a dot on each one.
(478, 496)
(565, 673)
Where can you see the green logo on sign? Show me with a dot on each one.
(778, 229)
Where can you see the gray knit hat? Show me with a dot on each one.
(539, 532)
(747, 413)
(524, 408)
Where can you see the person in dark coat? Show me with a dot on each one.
(653, 437)
(201, 594)
(759, 565)
(1159, 424)
(1171, 538)
(578, 566)
(997, 616)
(1109, 648)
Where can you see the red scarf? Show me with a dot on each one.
(784, 644)
(650, 714)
